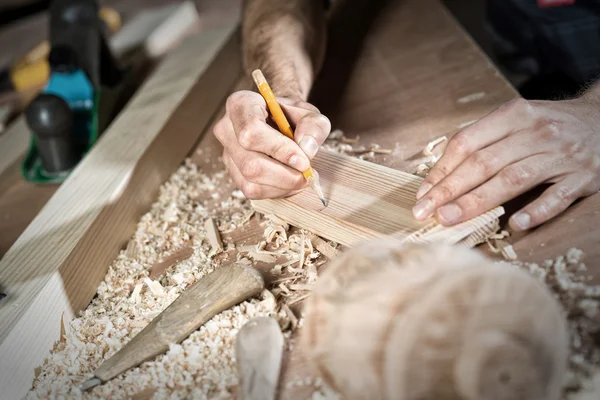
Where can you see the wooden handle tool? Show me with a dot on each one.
(214, 293)
(258, 351)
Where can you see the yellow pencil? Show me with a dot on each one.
(284, 126)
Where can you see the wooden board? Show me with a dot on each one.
(57, 263)
(366, 201)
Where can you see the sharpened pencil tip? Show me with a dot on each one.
(324, 202)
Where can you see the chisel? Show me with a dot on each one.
(212, 294)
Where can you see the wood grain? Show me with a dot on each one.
(366, 201)
(216, 292)
(58, 262)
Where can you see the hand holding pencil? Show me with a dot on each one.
(262, 161)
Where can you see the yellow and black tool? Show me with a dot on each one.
(63, 118)
(33, 70)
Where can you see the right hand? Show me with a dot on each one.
(262, 161)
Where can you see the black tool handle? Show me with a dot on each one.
(51, 119)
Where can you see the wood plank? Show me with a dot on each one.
(366, 201)
(58, 262)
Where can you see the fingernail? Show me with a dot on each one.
(309, 145)
(522, 220)
(449, 214)
(423, 209)
(425, 187)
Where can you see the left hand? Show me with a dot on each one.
(517, 147)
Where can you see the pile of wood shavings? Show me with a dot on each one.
(339, 143)
(203, 366)
(565, 277)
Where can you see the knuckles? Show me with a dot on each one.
(251, 190)
(516, 175)
(237, 98)
(219, 129)
(251, 168)
(459, 144)
(486, 161)
(248, 134)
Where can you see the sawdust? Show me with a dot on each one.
(203, 366)
(565, 277)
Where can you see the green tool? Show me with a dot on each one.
(63, 118)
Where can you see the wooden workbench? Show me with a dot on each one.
(395, 79)
(394, 74)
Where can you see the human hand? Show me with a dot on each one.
(263, 162)
(515, 148)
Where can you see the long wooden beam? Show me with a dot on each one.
(366, 200)
(55, 267)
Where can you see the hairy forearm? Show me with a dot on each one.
(286, 39)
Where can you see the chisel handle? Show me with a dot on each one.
(212, 294)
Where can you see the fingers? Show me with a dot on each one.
(510, 182)
(256, 167)
(251, 190)
(311, 132)
(482, 133)
(553, 201)
(478, 169)
(247, 112)
(312, 128)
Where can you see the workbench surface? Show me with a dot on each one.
(395, 79)
(394, 76)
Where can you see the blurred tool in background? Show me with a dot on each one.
(81, 88)
(63, 118)
(33, 69)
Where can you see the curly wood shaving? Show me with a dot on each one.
(428, 151)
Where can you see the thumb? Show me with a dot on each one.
(311, 132)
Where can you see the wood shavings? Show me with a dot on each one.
(135, 295)
(175, 258)
(284, 288)
(338, 142)
(266, 258)
(323, 247)
(300, 287)
(203, 365)
(423, 168)
(498, 245)
(132, 249)
(581, 302)
(428, 151)
(155, 287)
(298, 299)
(213, 235)
(291, 316)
